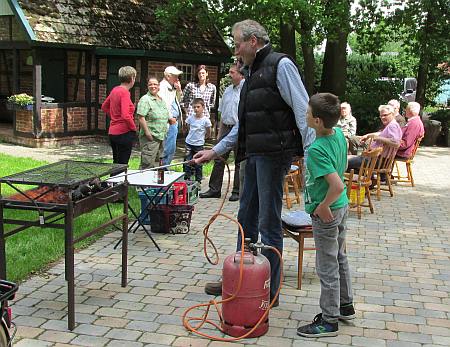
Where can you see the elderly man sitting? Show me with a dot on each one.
(412, 131)
(347, 123)
(391, 134)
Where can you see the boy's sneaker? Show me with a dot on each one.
(347, 312)
(318, 328)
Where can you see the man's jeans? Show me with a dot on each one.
(170, 144)
(260, 207)
(331, 264)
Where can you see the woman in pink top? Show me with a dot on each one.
(120, 109)
(391, 135)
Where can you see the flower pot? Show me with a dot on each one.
(14, 107)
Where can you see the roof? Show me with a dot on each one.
(123, 24)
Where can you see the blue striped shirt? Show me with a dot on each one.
(294, 94)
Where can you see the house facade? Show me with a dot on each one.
(67, 56)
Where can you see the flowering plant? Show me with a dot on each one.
(21, 99)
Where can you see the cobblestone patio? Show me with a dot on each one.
(400, 259)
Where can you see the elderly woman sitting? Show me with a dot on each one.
(391, 135)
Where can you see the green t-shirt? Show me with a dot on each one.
(326, 155)
(156, 115)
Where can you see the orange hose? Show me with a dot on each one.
(204, 318)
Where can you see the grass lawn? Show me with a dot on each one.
(32, 250)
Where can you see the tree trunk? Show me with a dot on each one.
(287, 38)
(308, 58)
(334, 71)
(424, 62)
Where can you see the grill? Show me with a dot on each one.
(55, 195)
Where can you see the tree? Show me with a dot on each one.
(420, 26)
(336, 21)
(427, 37)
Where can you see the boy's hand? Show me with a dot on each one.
(324, 213)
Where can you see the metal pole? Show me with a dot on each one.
(69, 265)
(125, 236)
(2, 246)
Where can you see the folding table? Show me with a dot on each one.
(142, 179)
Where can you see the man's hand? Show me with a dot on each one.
(177, 86)
(324, 213)
(149, 136)
(172, 121)
(204, 156)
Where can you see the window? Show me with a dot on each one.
(187, 75)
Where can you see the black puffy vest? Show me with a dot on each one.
(266, 123)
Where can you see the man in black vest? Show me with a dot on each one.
(271, 127)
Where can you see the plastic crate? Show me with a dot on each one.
(163, 199)
(354, 192)
(193, 190)
(179, 193)
(173, 219)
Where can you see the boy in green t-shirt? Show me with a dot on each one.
(326, 201)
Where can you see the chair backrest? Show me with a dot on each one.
(369, 160)
(386, 159)
(416, 146)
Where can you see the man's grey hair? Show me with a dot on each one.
(414, 107)
(394, 103)
(249, 27)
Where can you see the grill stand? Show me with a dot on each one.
(69, 211)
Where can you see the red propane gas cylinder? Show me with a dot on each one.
(252, 301)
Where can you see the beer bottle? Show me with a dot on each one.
(161, 172)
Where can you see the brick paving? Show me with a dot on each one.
(399, 258)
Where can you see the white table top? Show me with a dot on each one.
(146, 178)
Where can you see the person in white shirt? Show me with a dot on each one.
(199, 127)
(170, 92)
(228, 109)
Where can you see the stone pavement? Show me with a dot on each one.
(399, 258)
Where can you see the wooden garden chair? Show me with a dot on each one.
(383, 167)
(396, 173)
(292, 181)
(363, 180)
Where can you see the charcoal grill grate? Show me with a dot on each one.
(65, 173)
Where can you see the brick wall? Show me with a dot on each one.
(103, 71)
(77, 119)
(24, 121)
(156, 68)
(52, 120)
(4, 28)
(101, 93)
(101, 120)
(18, 34)
(6, 74)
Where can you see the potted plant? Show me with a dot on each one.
(20, 101)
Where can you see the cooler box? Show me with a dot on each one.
(173, 219)
(163, 200)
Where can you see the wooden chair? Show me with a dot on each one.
(299, 234)
(363, 179)
(292, 180)
(408, 161)
(384, 166)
